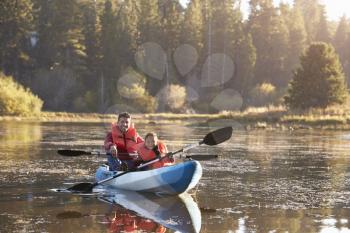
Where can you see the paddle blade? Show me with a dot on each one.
(73, 153)
(81, 188)
(218, 136)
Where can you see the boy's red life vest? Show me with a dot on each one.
(150, 226)
(123, 222)
(147, 155)
(125, 142)
(126, 222)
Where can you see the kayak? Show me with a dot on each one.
(178, 213)
(170, 180)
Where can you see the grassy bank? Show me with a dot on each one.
(61, 117)
(262, 118)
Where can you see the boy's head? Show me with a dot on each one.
(151, 140)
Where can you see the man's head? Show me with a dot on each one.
(124, 121)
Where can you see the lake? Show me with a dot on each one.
(263, 181)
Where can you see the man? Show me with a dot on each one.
(121, 143)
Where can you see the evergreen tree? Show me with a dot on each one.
(67, 23)
(347, 58)
(16, 22)
(171, 21)
(270, 37)
(45, 49)
(109, 56)
(149, 24)
(319, 81)
(60, 53)
(236, 43)
(311, 11)
(60, 36)
(245, 59)
(297, 36)
(322, 33)
(224, 22)
(340, 38)
(341, 43)
(192, 27)
(127, 32)
(91, 44)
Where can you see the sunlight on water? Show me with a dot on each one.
(333, 226)
(263, 181)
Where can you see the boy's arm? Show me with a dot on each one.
(139, 139)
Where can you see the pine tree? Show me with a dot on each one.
(171, 21)
(245, 59)
(340, 38)
(319, 81)
(347, 58)
(270, 37)
(127, 32)
(109, 56)
(60, 38)
(193, 25)
(16, 20)
(91, 44)
(297, 36)
(322, 33)
(149, 24)
(224, 21)
(341, 42)
(311, 11)
(45, 49)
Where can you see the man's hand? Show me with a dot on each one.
(113, 151)
(134, 156)
(170, 157)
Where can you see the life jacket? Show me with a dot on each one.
(150, 226)
(147, 155)
(123, 222)
(126, 222)
(125, 142)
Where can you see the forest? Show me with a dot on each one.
(162, 56)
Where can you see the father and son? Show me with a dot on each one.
(126, 149)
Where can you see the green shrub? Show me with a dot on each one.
(262, 95)
(86, 103)
(132, 88)
(174, 97)
(16, 100)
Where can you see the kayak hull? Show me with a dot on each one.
(172, 180)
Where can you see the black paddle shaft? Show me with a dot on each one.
(214, 138)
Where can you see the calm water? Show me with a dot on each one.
(263, 181)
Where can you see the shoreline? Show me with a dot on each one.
(269, 120)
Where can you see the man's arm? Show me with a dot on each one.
(108, 141)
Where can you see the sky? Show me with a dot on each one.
(335, 8)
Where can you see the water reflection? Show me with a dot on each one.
(20, 139)
(263, 181)
(151, 213)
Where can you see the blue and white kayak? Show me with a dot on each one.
(171, 180)
(178, 213)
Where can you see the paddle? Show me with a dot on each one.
(213, 138)
(75, 153)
